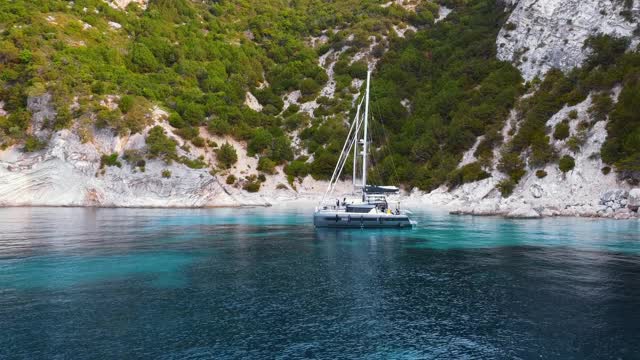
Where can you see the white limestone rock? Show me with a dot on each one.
(524, 212)
(122, 4)
(252, 103)
(551, 33)
(43, 114)
(634, 199)
(613, 197)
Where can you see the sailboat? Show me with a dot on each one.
(371, 209)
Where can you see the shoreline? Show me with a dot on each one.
(408, 203)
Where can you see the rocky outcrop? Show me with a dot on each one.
(122, 4)
(633, 202)
(524, 212)
(251, 102)
(42, 114)
(545, 34)
(68, 173)
(584, 191)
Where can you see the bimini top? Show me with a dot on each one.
(379, 189)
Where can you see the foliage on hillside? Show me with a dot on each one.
(434, 93)
(608, 66)
(457, 91)
(196, 59)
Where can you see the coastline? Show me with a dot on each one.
(406, 201)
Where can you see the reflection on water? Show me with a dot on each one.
(263, 283)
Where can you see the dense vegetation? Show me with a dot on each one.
(457, 91)
(434, 92)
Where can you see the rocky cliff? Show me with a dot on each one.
(541, 35)
(545, 34)
(69, 172)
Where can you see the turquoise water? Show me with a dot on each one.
(263, 283)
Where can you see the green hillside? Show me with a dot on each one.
(198, 59)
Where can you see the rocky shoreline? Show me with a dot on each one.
(618, 204)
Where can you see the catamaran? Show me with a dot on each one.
(371, 209)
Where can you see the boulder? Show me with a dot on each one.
(613, 196)
(524, 212)
(549, 212)
(633, 202)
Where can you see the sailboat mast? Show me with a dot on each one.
(355, 148)
(366, 126)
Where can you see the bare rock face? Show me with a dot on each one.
(122, 4)
(613, 197)
(43, 113)
(524, 212)
(68, 173)
(545, 34)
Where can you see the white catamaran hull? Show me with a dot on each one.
(341, 219)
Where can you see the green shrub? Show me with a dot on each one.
(606, 170)
(160, 145)
(260, 141)
(561, 131)
(166, 173)
(126, 103)
(506, 187)
(297, 169)
(142, 59)
(567, 163)
(231, 179)
(266, 165)
(198, 163)
(188, 132)
(575, 142)
(198, 141)
(511, 164)
(541, 174)
(110, 160)
(32, 144)
(573, 114)
(135, 158)
(606, 49)
(601, 106)
(252, 184)
(469, 173)
(358, 70)
(226, 155)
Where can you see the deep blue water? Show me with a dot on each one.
(263, 283)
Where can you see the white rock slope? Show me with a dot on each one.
(545, 34)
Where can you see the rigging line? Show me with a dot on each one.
(349, 141)
(388, 146)
(342, 155)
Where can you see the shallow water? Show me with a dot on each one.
(263, 283)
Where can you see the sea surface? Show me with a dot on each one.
(262, 283)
